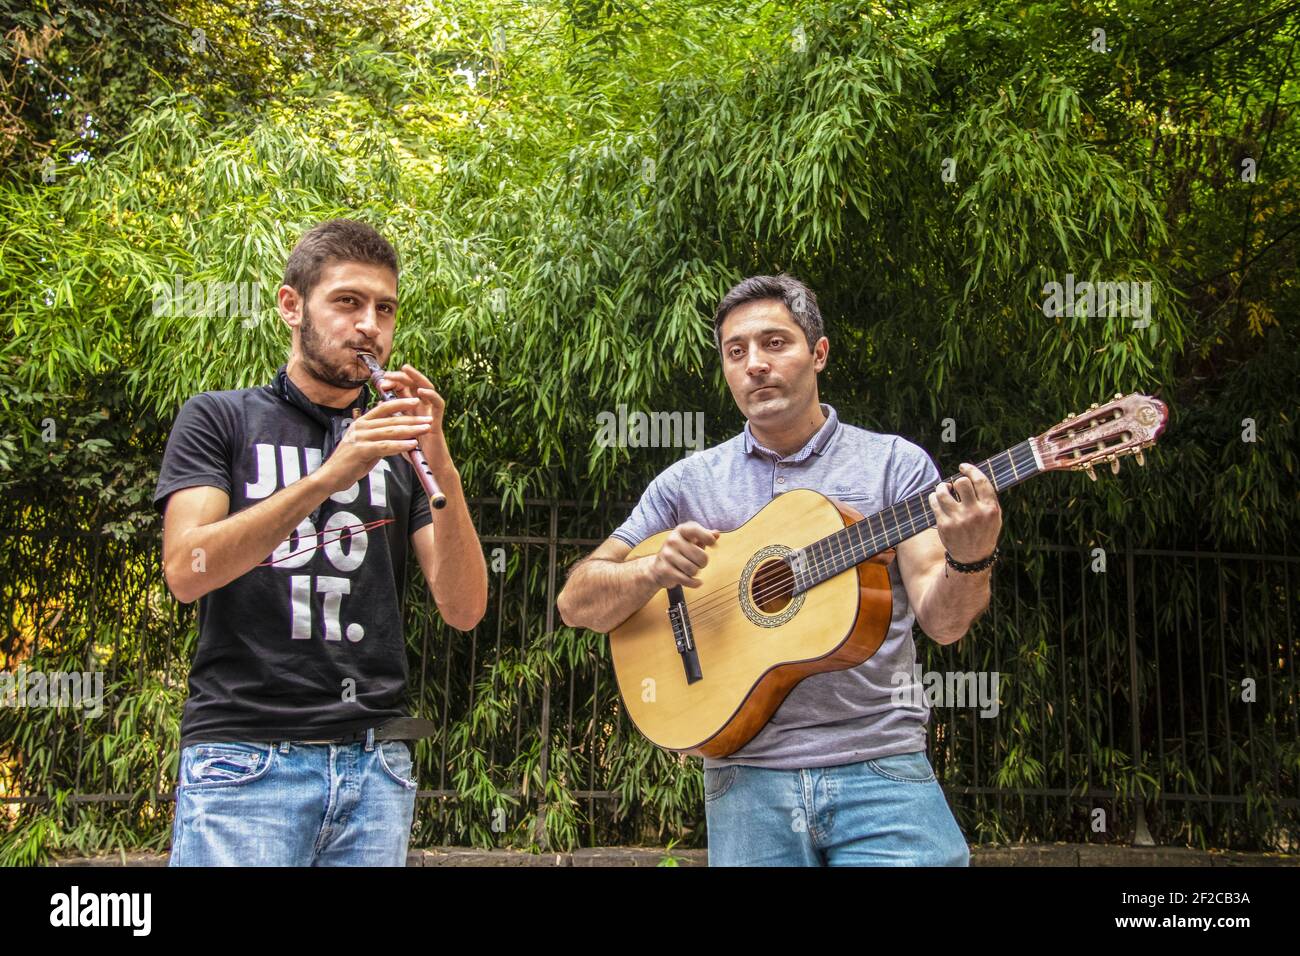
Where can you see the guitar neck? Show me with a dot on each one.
(879, 532)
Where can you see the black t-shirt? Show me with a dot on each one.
(309, 647)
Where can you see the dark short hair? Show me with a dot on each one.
(341, 240)
(799, 300)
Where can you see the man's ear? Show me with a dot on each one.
(289, 303)
(821, 352)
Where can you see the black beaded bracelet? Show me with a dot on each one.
(975, 566)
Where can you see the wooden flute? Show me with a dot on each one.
(422, 470)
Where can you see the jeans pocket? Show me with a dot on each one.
(208, 766)
(395, 759)
(905, 768)
(718, 780)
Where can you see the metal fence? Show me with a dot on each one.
(1153, 694)
(1163, 693)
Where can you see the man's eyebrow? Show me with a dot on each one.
(344, 290)
(768, 331)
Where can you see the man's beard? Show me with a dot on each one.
(315, 360)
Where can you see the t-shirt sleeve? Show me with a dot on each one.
(197, 452)
(655, 512)
(420, 514)
(911, 471)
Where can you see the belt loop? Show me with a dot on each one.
(370, 739)
(284, 746)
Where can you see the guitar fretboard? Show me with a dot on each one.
(879, 532)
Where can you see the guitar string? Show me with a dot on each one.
(710, 608)
(1000, 478)
(914, 524)
(714, 601)
(820, 565)
(711, 602)
(720, 607)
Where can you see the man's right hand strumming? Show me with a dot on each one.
(604, 590)
(682, 556)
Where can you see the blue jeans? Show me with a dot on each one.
(884, 812)
(294, 804)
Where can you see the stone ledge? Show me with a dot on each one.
(1035, 854)
(1093, 855)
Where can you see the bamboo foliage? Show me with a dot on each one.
(571, 188)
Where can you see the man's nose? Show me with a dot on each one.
(756, 364)
(368, 323)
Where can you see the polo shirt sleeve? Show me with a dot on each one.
(911, 471)
(656, 511)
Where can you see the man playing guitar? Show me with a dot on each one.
(839, 775)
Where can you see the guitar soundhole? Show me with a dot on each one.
(772, 587)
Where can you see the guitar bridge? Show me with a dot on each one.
(682, 635)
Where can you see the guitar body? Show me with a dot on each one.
(751, 650)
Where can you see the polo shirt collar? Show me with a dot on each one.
(816, 444)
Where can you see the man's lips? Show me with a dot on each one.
(764, 388)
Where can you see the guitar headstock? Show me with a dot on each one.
(1104, 433)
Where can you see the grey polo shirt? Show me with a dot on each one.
(842, 716)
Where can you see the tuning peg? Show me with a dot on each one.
(1093, 405)
(1091, 474)
(1140, 460)
(1114, 466)
(1119, 395)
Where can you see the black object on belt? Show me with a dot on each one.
(399, 728)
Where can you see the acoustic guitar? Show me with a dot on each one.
(803, 587)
